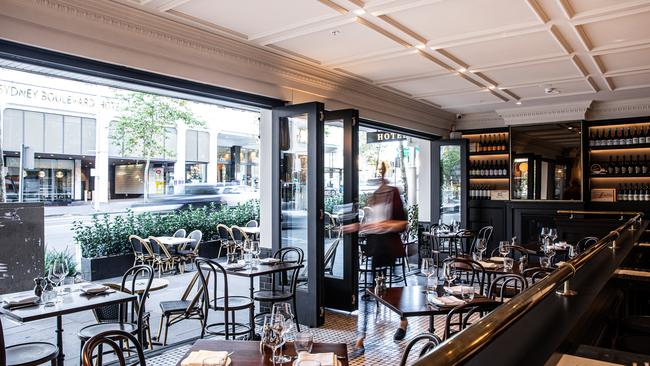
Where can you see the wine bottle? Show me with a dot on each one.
(644, 165)
(624, 166)
(617, 167)
(610, 166)
(646, 193)
(635, 136)
(635, 193)
(637, 165)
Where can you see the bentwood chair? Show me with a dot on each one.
(474, 272)
(536, 273)
(131, 318)
(190, 251)
(163, 260)
(27, 354)
(140, 250)
(506, 286)
(229, 305)
(225, 238)
(111, 339)
(184, 309)
(431, 341)
(586, 242)
(485, 233)
(464, 313)
(283, 285)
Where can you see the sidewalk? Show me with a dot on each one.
(86, 208)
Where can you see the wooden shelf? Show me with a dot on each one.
(627, 176)
(619, 147)
(495, 153)
(488, 177)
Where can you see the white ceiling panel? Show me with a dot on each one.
(255, 17)
(394, 67)
(631, 81)
(565, 88)
(433, 21)
(627, 29)
(580, 6)
(508, 49)
(481, 97)
(432, 85)
(556, 70)
(625, 60)
(350, 40)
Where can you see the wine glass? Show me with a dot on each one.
(281, 315)
(504, 248)
(255, 249)
(58, 272)
(543, 235)
(427, 266)
(272, 335)
(429, 269)
(481, 246)
(450, 273)
(552, 234)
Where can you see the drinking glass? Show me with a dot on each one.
(281, 315)
(508, 263)
(450, 273)
(304, 342)
(552, 234)
(523, 263)
(272, 336)
(504, 248)
(544, 233)
(545, 262)
(481, 246)
(467, 293)
(255, 248)
(57, 274)
(427, 266)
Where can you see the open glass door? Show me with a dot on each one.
(340, 197)
(450, 182)
(297, 198)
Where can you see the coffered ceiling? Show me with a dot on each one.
(460, 55)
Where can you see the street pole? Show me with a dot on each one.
(21, 180)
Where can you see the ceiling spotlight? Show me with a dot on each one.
(359, 11)
(550, 90)
(420, 46)
(462, 69)
(491, 87)
(519, 102)
(335, 33)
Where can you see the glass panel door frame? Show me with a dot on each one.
(311, 310)
(342, 291)
(437, 179)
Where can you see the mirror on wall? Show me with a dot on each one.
(546, 162)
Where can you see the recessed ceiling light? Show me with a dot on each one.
(491, 87)
(519, 102)
(359, 11)
(462, 69)
(420, 46)
(335, 33)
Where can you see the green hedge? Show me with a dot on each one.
(106, 235)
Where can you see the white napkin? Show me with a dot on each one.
(456, 290)
(21, 300)
(488, 265)
(496, 259)
(561, 245)
(447, 301)
(196, 358)
(93, 288)
(269, 260)
(325, 359)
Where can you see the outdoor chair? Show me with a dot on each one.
(431, 341)
(109, 339)
(190, 251)
(27, 354)
(131, 318)
(186, 308)
(329, 224)
(141, 251)
(225, 238)
(283, 285)
(239, 237)
(163, 260)
(229, 305)
(252, 223)
(180, 233)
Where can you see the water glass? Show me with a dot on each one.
(467, 293)
(304, 342)
(481, 246)
(552, 234)
(545, 262)
(508, 263)
(248, 257)
(504, 248)
(523, 264)
(255, 248)
(432, 283)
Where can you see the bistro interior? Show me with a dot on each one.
(324, 182)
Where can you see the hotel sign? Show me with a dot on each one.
(383, 136)
(55, 96)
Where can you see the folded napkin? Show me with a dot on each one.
(496, 259)
(325, 359)
(269, 260)
(561, 245)
(196, 358)
(93, 288)
(446, 301)
(488, 265)
(456, 290)
(21, 300)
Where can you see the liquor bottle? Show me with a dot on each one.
(624, 166)
(637, 165)
(617, 167)
(481, 143)
(646, 193)
(635, 136)
(642, 135)
(621, 136)
(504, 142)
(610, 166)
(635, 193)
(644, 165)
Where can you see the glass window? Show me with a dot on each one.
(34, 130)
(196, 172)
(238, 158)
(13, 130)
(72, 135)
(50, 180)
(54, 133)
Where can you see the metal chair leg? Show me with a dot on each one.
(295, 313)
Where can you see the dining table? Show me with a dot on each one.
(172, 241)
(260, 270)
(247, 353)
(70, 302)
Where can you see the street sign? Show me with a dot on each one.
(383, 136)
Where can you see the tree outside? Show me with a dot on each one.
(140, 129)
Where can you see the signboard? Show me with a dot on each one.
(382, 136)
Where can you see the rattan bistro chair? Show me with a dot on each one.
(283, 285)
(190, 251)
(26, 354)
(141, 250)
(184, 309)
(163, 260)
(229, 305)
(112, 339)
(180, 233)
(225, 238)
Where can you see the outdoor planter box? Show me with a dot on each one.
(100, 268)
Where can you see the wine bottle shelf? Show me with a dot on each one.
(627, 176)
(620, 147)
(503, 153)
(488, 177)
